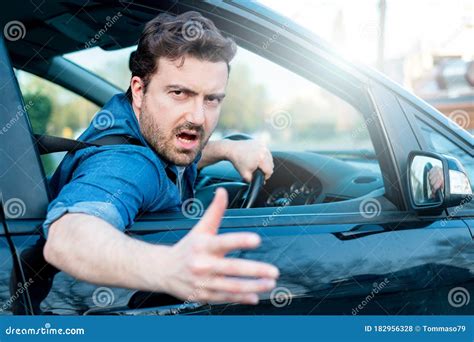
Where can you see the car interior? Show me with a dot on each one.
(320, 179)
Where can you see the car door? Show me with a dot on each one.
(347, 257)
(368, 255)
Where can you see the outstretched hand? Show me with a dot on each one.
(199, 270)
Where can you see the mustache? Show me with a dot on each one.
(188, 126)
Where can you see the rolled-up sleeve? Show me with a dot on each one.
(113, 184)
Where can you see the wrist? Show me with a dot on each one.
(227, 150)
(153, 270)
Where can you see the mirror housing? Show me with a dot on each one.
(437, 181)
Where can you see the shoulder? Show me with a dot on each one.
(131, 161)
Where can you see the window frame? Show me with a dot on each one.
(420, 115)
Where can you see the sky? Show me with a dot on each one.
(432, 22)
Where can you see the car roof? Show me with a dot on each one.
(53, 28)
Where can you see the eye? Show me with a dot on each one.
(213, 100)
(178, 94)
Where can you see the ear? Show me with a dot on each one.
(137, 88)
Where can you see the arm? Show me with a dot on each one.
(436, 180)
(245, 155)
(92, 250)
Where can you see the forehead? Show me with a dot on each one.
(198, 75)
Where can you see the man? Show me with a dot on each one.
(172, 107)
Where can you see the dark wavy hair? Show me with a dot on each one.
(174, 37)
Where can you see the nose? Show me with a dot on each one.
(197, 114)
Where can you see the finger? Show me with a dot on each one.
(225, 243)
(245, 268)
(240, 286)
(266, 168)
(266, 165)
(211, 220)
(206, 296)
(247, 176)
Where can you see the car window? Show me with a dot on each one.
(439, 143)
(269, 103)
(265, 100)
(110, 65)
(54, 110)
(288, 111)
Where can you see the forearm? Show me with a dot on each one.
(92, 250)
(214, 152)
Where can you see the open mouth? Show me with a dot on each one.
(188, 139)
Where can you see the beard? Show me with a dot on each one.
(164, 143)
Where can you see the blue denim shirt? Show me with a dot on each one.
(116, 182)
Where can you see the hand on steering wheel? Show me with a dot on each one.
(253, 190)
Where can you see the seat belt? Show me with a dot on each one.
(51, 144)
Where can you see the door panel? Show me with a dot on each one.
(12, 287)
(404, 268)
(414, 267)
(407, 268)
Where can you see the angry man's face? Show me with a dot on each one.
(181, 106)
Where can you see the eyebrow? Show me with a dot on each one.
(182, 88)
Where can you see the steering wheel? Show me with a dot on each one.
(253, 190)
(241, 195)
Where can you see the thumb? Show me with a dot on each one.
(211, 220)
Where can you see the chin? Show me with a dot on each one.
(182, 159)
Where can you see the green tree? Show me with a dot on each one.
(245, 102)
(40, 107)
(39, 111)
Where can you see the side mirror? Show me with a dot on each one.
(437, 181)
